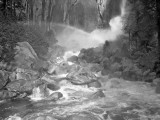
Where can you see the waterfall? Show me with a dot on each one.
(115, 29)
(36, 94)
(74, 39)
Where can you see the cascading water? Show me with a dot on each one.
(69, 54)
(75, 39)
(37, 94)
(129, 100)
(115, 29)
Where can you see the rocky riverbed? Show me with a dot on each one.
(71, 91)
(115, 100)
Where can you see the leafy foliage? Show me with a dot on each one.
(11, 33)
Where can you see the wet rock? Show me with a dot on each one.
(4, 94)
(25, 55)
(26, 48)
(23, 95)
(44, 118)
(97, 110)
(12, 76)
(43, 91)
(73, 59)
(53, 87)
(60, 69)
(55, 96)
(81, 77)
(95, 84)
(23, 85)
(117, 117)
(98, 94)
(15, 85)
(82, 117)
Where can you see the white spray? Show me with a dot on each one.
(74, 39)
(115, 27)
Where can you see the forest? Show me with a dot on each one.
(103, 44)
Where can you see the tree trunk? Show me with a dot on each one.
(70, 5)
(157, 64)
(43, 9)
(31, 10)
(52, 12)
(49, 14)
(11, 8)
(49, 11)
(4, 7)
(14, 7)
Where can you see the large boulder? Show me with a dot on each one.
(97, 95)
(23, 85)
(27, 58)
(53, 87)
(4, 94)
(55, 96)
(95, 84)
(73, 59)
(25, 55)
(26, 49)
(81, 77)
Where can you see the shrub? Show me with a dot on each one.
(11, 33)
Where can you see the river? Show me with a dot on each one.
(116, 100)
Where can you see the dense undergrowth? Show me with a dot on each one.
(12, 32)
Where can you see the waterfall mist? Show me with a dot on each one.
(75, 39)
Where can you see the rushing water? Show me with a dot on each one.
(128, 100)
